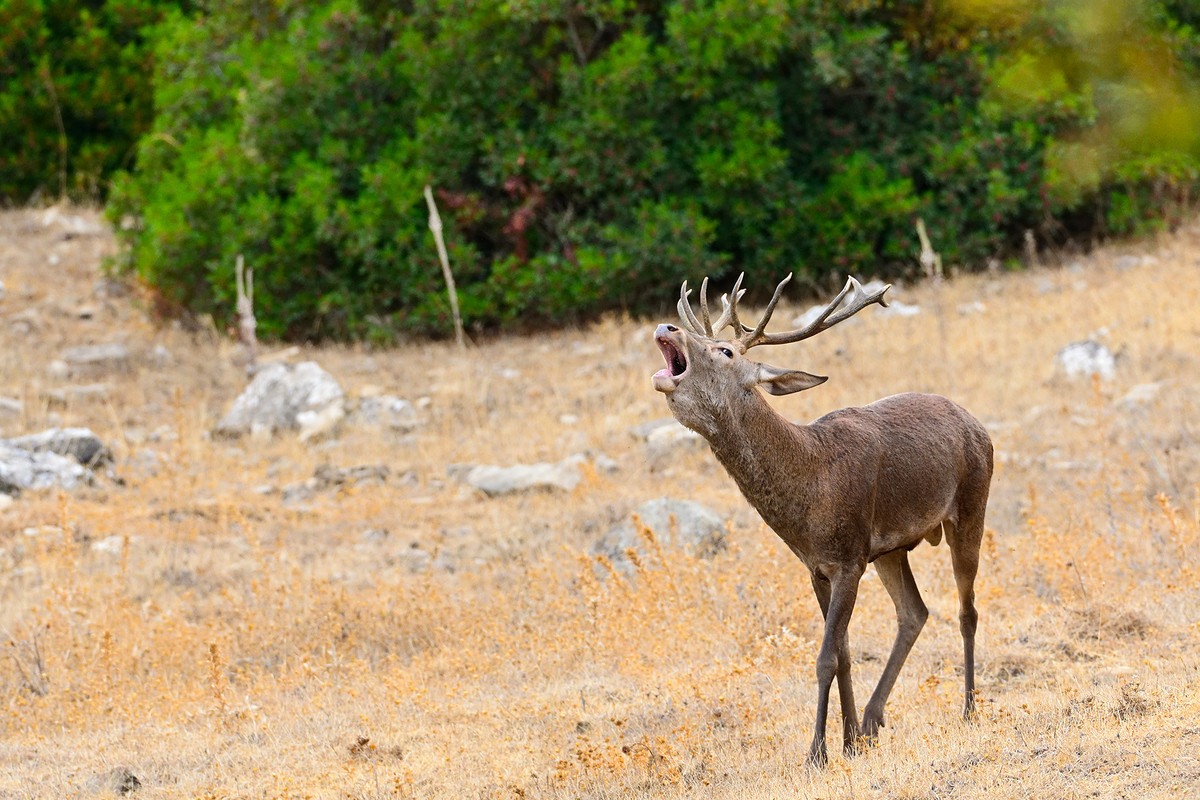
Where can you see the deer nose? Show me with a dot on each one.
(664, 329)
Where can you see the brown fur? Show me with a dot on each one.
(856, 486)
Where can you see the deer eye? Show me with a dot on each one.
(725, 351)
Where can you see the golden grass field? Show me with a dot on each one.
(220, 642)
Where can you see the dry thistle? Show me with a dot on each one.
(216, 683)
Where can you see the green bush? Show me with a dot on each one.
(588, 156)
(75, 93)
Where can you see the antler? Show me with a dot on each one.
(752, 337)
(829, 316)
(708, 327)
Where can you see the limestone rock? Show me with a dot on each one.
(389, 411)
(675, 523)
(97, 356)
(301, 397)
(22, 469)
(1087, 358)
(492, 480)
(78, 443)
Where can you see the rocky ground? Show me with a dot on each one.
(503, 572)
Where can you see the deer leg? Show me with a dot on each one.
(840, 593)
(911, 613)
(964, 553)
(850, 728)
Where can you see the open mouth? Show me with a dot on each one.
(665, 380)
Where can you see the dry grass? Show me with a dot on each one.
(224, 643)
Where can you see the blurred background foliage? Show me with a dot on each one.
(588, 155)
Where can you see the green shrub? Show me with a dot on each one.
(589, 156)
(75, 92)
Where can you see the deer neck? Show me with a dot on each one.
(769, 457)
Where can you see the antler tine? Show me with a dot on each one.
(685, 310)
(751, 338)
(708, 328)
(729, 313)
(828, 318)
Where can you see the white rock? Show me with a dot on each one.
(678, 523)
(389, 410)
(562, 476)
(967, 309)
(278, 396)
(1087, 358)
(113, 545)
(72, 223)
(78, 443)
(161, 356)
(113, 355)
(666, 441)
(810, 315)
(896, 308)
(6, 502)
(25, 469)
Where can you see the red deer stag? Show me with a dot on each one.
(856, 486)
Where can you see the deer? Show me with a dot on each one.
(857, 486)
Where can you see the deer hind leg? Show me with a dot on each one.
(911, 613)
(964, 540)
(836, 599)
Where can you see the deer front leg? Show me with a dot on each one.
(842, 592)
(850, 727)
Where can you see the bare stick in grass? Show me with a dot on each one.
(435, 225)
(247, 324)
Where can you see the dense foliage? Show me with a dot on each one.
(75, 92)
(590, 155)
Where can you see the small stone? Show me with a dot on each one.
(58, 369)
(113, 355)
(6, 502)
(375, 535)
(112, 545)
(107, 287)
(118, 781)
(161, 356)
(1087, 358)
(967, 309)
(642, 430)
(494, 481)
(667, 441)
(385, 409)
(73, 394)
(78, 443)
(896, 308)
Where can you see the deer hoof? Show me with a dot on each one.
(871, 724)
(818, 756)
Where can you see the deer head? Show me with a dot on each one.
(706, 377)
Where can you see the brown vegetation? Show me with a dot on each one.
(221, 642)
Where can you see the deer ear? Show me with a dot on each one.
(779, 381)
